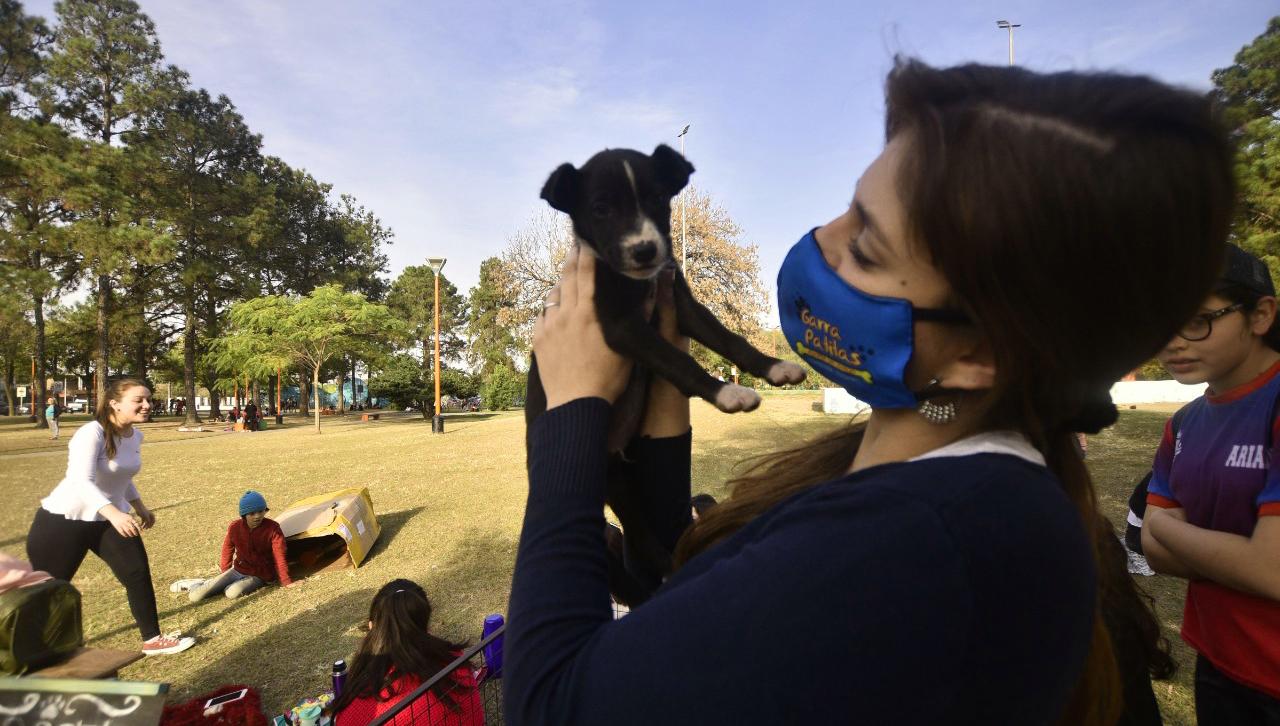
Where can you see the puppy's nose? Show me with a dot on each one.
(644, 252)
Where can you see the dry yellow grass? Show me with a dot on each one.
(450, 508)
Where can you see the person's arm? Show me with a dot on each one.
(1248, 564)
(807, 609)
(123, 523)
(146, 515)
(228, 550)
(278, 553)
(1158, 556)
(1162, 501)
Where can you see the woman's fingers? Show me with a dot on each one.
(569, 279)
(586, 278)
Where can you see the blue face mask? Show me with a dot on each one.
(858, 341)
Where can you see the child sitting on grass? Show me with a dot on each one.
(252, 553)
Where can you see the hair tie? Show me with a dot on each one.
(397, 591)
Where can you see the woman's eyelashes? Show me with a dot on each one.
(859, 257)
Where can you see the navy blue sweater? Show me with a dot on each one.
(948, 590)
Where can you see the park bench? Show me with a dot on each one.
(369, 417)
(90, 663)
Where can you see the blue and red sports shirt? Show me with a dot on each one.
(1220, 466)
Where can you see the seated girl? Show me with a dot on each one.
(253, 553)
(397, 656)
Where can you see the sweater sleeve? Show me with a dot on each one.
(228, 549)
(82, 466)
(278, 553)
(784, 607)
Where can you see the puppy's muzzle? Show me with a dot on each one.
(643, 253)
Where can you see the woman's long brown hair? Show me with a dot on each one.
(1080, 219)
(398, 645)
(102, 415)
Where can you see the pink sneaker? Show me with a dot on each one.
(164, 645)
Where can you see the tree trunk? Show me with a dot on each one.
(189, 361)
(315, 391)
(304, 396)
(8, 383)
(38, 394)
(215, 402)
(140, 309)
(355, 395)
(342, 398)
(104, 344)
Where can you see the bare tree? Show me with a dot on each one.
(532, 261)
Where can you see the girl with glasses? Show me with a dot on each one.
(1215, 491)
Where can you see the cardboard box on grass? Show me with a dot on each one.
(329, 531)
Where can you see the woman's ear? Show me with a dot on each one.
(973, 370)
(1263, 315)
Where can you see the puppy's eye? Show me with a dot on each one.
(600, 209)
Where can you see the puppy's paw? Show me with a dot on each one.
(732, 398)
(784, 372)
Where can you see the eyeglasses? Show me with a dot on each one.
(1200, 326)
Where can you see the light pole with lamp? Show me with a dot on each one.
(437, 422)
(684, 245)
(1006, 25)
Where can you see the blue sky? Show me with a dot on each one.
(446, 118)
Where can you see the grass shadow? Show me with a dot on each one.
(391, 524)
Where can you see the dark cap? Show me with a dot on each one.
(1247, 271)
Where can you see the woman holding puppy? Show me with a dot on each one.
(937, 563)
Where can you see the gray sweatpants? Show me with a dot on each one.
(53, 424)
(234, 583)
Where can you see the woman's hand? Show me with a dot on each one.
(573, 359)
(123, 523)
(146, 515)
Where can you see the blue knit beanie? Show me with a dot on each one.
(252, 502)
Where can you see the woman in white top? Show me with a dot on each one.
(93, 509)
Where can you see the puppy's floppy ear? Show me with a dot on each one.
(561, 189)
(673, 169)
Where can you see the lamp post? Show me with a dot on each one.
(437, 422)
(1006, 25)
(684, 245)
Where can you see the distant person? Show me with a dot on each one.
(253, 553)
(397, 655)
(251, 416)
(93, 509)
(1213, 513)
(51, 413)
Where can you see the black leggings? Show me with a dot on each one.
(58, 545)
(1222, 701)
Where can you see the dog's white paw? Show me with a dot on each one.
(784, 372)
(732, 398)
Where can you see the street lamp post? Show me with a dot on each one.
(1006, 25)
(684, 245)
(437, 421)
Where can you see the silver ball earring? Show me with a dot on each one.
(937, 413)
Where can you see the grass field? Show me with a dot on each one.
(450, 508)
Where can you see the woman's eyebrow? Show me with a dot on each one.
(869, 222)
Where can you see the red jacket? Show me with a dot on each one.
(254, 549)
(427, 709)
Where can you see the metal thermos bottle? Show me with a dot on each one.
(339, 677)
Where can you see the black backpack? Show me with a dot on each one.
(39, 625)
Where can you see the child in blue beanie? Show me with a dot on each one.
(253, 553)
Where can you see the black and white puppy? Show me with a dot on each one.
(620, 206)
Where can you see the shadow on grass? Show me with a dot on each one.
(291, 660)
(391, 524)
